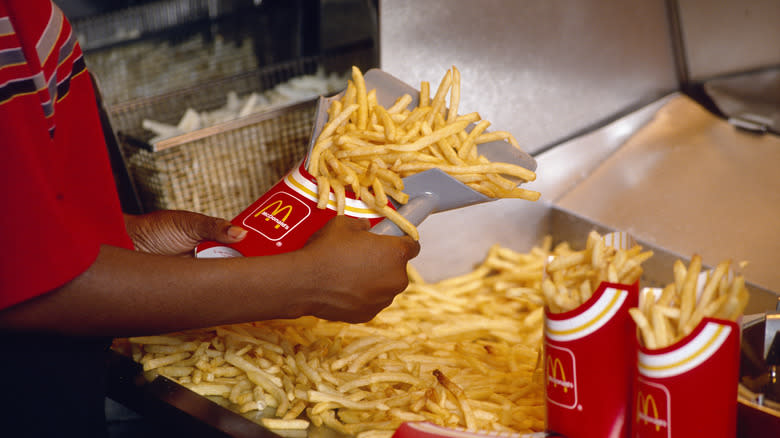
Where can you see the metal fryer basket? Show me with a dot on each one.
(221, 169)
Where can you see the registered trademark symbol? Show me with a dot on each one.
(579, 407)
(278, 244)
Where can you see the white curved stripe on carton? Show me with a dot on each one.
(308, 189)
(688, 356)
(619, 240)
(218, 252)
(588, 321)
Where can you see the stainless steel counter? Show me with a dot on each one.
(692, 183)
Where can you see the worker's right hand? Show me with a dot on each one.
(358, 272)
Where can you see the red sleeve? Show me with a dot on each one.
(59, 202)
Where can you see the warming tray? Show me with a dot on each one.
(660, 148)
(691, 182)
(670, 173)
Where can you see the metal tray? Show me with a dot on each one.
(452, 242)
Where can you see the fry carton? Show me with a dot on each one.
(689, 387)
(426, 429)
(683, 391)
(589, 360)
(284, 218)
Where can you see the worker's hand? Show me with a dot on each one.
(178, 232)
(358, 272)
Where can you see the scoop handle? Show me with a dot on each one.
(415, 211)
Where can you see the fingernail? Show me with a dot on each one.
(236, 232)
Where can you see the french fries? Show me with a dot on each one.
(368, 149)
(667, 315)
(573, 276)
(462, 352)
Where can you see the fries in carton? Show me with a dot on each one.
(682, 390)
(686, 385)
(424, 429)
(589, 351)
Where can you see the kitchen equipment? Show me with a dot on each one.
(759, 394)
(219, 170)
(751, 101)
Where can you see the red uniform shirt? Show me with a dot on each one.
(58, 198)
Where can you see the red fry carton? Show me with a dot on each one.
(590, 355)
(426, 429)
(284, 218)
(589, 362)
(689, 388)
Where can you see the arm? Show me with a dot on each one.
(344, 273)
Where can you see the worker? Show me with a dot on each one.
(77, 272)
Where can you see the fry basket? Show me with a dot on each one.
(220, 169)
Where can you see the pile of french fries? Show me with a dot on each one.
(463, 352)
(573, 276)
(369, 149)
(665, 318)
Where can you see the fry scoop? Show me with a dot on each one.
(432, 190)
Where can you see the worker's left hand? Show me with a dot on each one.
(178, 232)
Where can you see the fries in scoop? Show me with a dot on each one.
(362, 137)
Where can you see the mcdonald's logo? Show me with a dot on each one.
(561, 376)
(647, 411)
(277, 215)
(556, 374)
(278, 209)
(651, 408)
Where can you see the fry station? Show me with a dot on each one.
(593, 186)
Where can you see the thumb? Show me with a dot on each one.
(220, 230)
(230, 234)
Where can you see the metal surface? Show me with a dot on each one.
(757, 411)
(164, 400)
(690, 182)
(162, 46)
(771, 340)
(728, 36)
(173, 407)
(544, 71)
(752, 97)
(430, 192)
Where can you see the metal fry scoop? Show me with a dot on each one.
(433, 190)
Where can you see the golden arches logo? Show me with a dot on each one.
(278, 208)
(647, 411)
(556, 374)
